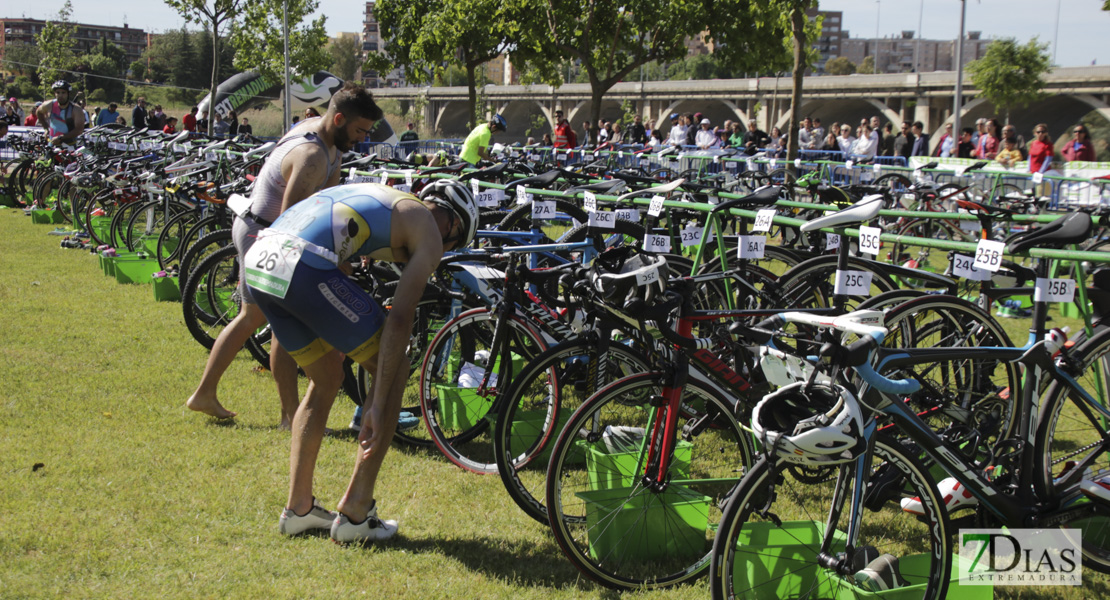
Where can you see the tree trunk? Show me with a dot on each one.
(798, 24)
(215, 76)
(472, 97)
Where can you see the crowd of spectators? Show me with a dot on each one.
(987, 140)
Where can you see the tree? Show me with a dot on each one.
(803, 58)
(840, 66)
(102, 73)
(22, 59)
(1010, 75)
(346, 57)
(55, 45)
(214, 13)
(259, 43)
(867, 65)
(425, 34)
(611, 40)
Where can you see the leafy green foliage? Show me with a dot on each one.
(867, 65)
(214, 14)
(346, 57)
(1010, 75)
(840, 66)
(22, 59)
(424, 35)
(611, 40)
(55, 46)
(260, 46)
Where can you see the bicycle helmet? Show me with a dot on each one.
(460, 200)
(61, 84)
(502, 124)
(620, 277)
(823, 421)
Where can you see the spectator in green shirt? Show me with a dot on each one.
(476, 146)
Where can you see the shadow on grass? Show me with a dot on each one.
(526, 563)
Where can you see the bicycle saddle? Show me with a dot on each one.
(991, 211)
(860, 212)
(606, 187)
(536, 181)
(1068, 229)
(662, 190)
(764, 196)
(489, 172)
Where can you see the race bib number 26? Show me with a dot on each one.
(270, 262)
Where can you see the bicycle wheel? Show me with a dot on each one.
(169, 245)
(430, 318)
(201, 249)
(774, 525)
(540, 402)
(210, 298)
(615, 529)
(971, 401)
(1072, 441)
(458, 418)
(146, 223)
(812, 283)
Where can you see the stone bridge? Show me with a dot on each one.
(1071, 93)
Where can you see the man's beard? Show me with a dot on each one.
(342, 140)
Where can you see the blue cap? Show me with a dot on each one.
(501, 122)
(674, 116)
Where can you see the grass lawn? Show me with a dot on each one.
(139, 497)
(111, 488)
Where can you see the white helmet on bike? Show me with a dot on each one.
(824, 424)
(620, 277)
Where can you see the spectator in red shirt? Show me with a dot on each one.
(171, 125)
(564, 135)
(31, 119)
(189, 121)
(1079, 147)
(1040, 151)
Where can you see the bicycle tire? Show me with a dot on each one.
(616, 548)
(170, 239)
(200, 249)
(542, 398)
(1070, 431)
(772, 514)
(810, 284)
(965, 394)
(457, 419)
(205, 318)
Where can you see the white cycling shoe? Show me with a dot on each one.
(954, 493)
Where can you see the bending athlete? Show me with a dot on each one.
(318, 312)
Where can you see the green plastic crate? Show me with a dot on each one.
(781, 563)
(638, 524)
(609, 470)
(461, 408)
(132, 269)
(100, 227)
(528, 427)
(46, 216)
(108, 265)
(165, 289)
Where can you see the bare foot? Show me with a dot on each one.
(209, 406)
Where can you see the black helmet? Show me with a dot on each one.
(60, 84)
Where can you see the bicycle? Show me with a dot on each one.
(1034, 479)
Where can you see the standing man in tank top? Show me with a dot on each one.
(62, 120)
(305, 161)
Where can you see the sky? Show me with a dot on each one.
(1082, 22)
